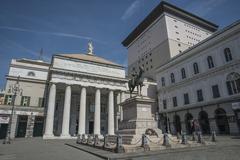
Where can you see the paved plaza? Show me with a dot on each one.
(227, 148)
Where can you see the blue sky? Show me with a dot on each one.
(66, 26)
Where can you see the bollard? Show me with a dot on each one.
(178, 135)
(213, 136)
(119, 147)
(83, 138)
(79, 140)
(96, 140)
(193, 136)
(184, 138)
(105, 140)
(166, 140)
(200, 140)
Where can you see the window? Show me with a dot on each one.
(174, 101)
(195, 68)
(199, 95)
(186, 98)
(233, 83)
(183, 73)
(215, 91)
(163, 81)
(32, 74)
(210, 62)
(41, 102)
(172, 78)
(179, 45)
(164, 104)
(8, 100)
(25, 101)
(228, 55)
(177, 32)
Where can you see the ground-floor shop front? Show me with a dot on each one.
(24, 123)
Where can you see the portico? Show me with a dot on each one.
(83, 96)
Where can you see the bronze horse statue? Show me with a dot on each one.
(136, 80)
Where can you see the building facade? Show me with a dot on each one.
(74, 94)
(163, 34)
(84, 91)
(203, 83)
(28, 116)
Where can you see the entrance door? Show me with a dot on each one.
(222, 121)
(22, 126)
(188, 123)
(177, 124)
(38, 127)
(91, 124)
(3, 130)
(204, 122)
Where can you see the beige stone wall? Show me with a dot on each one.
(32, 89)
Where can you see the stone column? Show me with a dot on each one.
(66, 113)
(82, 112)
(122, 100)
(50, 112)
(118, 111)
(97, 113)
(110, 113)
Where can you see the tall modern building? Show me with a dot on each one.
(163, 34)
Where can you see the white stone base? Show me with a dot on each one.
(58, 137)
(48, 136)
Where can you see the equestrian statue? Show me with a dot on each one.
(136, 81)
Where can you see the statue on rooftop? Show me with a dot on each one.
(90, 48)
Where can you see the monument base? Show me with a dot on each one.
(138, 120)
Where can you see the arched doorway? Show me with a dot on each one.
(177, 124)
(221, 121)
(166, 124)
(204, 122)
(188, 123)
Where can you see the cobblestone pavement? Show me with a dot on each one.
(227, 148)
(38, 149)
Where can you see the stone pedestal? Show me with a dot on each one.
(137, 118)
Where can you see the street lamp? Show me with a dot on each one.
(14, 90)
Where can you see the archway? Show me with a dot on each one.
(166, 124)
(177, 124)
(222, 121)
(188, 123)
(204, 122)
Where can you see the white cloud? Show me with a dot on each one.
(131, 9)
(59, 34)
(12, 44)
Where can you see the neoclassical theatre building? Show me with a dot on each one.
(84, 91)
